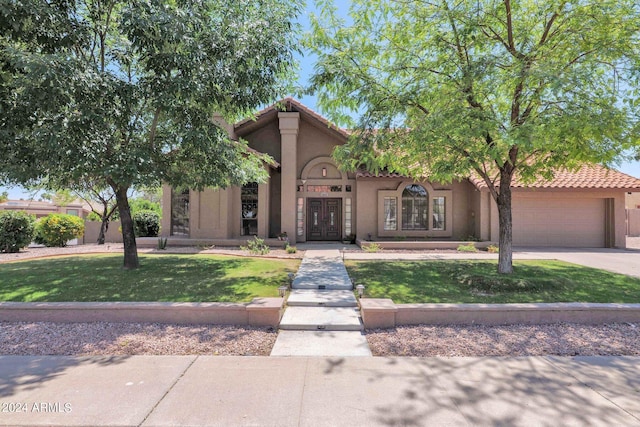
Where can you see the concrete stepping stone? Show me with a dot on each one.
(321, 318)
(321, 298)
(321, 343)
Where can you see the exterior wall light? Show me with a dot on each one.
(324, 172)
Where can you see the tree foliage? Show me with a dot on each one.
(16, 230)
(123, 93)
(492, 88)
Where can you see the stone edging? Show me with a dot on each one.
(384, 313)
(259, 312)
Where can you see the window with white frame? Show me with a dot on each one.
(438, 213)
(390, 214)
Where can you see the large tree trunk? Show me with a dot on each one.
(128, 235)
(505, 240)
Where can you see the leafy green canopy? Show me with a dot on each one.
(123, 94)
(126, 90)
(464, 87)
(498, 89)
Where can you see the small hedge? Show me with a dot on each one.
(146, 223)
(55, 230)
(16, 230)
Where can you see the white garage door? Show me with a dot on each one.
(554, 222)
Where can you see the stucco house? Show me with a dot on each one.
(310, 199)
(40, 209)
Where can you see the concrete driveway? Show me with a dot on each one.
(616, 260)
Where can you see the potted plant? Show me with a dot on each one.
(283, 236)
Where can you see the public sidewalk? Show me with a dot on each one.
(352, 391)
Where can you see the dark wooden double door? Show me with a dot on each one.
(324, 219)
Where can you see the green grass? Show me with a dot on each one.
(177, 278)
(478, 282)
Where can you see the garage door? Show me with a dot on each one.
(555, 222)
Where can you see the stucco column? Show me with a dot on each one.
(165, 222)
(289, 125)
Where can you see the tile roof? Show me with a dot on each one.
(587, 177)
(363, 173)
(292, 104)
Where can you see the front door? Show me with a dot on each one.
(324, 219)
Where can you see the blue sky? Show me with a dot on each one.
(306, 70)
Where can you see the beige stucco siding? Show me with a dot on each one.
(266, 140)
(459, 196)
(209, 214)
(314, 142)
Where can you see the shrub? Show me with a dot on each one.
(257, 246)
(290, 249)
(493, 249)
(372, 247)
(16, 230)
(146, 223)
(57, 229)
(162, 243)
(469, 247)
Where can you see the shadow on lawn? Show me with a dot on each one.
(466, 281)
(166, 279)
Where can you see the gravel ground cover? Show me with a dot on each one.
(92, 339)
(85, 339)
(620, 339)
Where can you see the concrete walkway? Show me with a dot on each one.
(352, 391)
(322, 317)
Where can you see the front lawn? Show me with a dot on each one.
(470, 281)
(171, 278)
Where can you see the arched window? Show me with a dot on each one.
(415, 207)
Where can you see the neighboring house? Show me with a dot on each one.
(310, 199)
(40, 209)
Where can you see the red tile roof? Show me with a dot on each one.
(363, 173)
(587, 177)
(291, 104)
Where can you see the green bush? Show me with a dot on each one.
(372, 247)
(469, 247)
(290, 249)
(146, 223)
(257, 246)
(16, 230)
(55, 230)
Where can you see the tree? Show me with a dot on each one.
(4, 196)
(500, 90)
(95, 194)
(123, 93)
